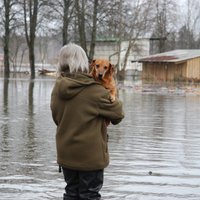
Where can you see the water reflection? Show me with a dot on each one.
(160, 134)
(4, 127)
(30, 146)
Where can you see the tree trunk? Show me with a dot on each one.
(6, 60)
(6, 38)
(81, 23)
(30, 33)
(65, 21)
(130, 45)
(120, 38)
(94, 30)
(32, 60)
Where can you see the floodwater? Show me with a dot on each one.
(154, 152)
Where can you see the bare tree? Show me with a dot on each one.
(87, 24)
(80, 12)
(186, 38)
(62, 14)
(192, 22)
(165, 23)
(30, 9)
(120, 34)
(62, 17)
(139, 24)
(7, 19)
(67, 15)
(94, 29)
(161, 24)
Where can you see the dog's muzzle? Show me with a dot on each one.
(100, 76)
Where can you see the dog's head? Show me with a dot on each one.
(101, 69)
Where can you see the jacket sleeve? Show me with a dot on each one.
(111, 111)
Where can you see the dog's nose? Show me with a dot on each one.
(100, 76)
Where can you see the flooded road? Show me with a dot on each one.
(154, 152)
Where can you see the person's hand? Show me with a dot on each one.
(107, 122)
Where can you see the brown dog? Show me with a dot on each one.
(103, 71)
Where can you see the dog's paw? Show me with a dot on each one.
(107, 122)
(112, 98)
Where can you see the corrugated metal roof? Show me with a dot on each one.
(174, 56)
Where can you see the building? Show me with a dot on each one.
(183, 65)
(108, 49)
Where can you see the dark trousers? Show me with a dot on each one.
(82, 185)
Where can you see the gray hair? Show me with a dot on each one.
(72, 58)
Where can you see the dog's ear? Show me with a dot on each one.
(92, 65)
(93, 62)
(111, 69)
(93, 68)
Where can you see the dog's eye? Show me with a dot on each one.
(105, 67)
(97, 66)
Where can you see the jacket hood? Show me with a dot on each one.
(72, 84)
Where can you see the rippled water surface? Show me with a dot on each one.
(154, 152)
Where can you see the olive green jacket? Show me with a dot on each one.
(79, 108)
